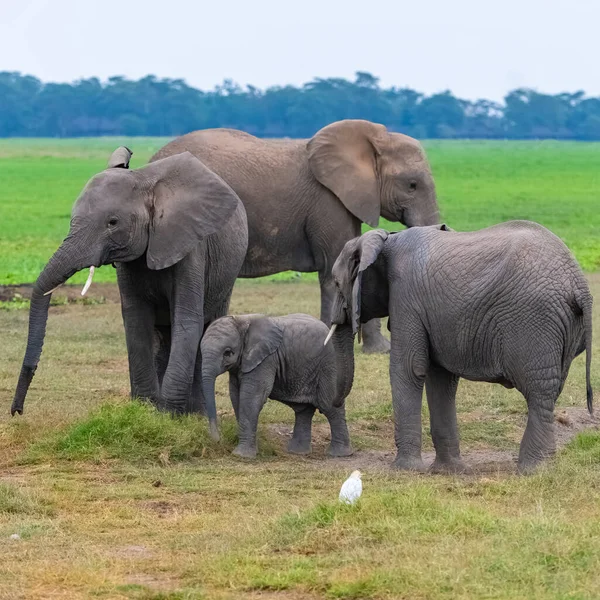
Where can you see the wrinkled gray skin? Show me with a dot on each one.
(281, 358)
(178, 234)
(306, 198)
(507, 304)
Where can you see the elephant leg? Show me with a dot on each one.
(327, 294)
(538, 442)
(138, 321)
(441, 386)
(254, 392)
(187, 326)
(179, 374)
(163, 333)
(374, 342)
(196, 402)
(409, 363)
(302, 436)
(407, 401)
(340, 438)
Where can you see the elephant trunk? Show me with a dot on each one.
(209, 376)
(64, 263)
(343, 343)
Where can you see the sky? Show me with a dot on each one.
(475, 48)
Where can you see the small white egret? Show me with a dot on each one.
(351, 488)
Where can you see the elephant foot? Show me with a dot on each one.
(197, 406)
(299, 446)
(340, 450)
(376, 345)
(529, 466)
(409, 463)
(530, 459)
(244, 451)
(450, 466)
(149, 399)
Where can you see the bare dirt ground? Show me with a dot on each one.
(568, 422)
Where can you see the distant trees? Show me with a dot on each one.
(152, 106)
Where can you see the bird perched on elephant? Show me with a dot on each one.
(507, 304)
(283, 358)
(178, 235)
(306, 198)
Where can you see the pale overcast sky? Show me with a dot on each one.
(476, 48)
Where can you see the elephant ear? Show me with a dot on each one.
(187, 203)
(263, 338)
(368, 249)
(120, 158)
(343, 157)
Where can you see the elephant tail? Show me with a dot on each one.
(586, 307)
(587, 319)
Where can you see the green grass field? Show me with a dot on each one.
(478, 183)
(111, 500)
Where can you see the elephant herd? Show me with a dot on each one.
(507, 304)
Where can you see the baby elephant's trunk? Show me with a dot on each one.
(208, 389)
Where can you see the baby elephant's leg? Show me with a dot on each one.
(340, 439)
(301, 438)
(253, 395)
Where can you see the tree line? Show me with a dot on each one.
(168, 107)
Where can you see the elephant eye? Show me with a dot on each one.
(112, 221)
(228, 353)
(412, 186)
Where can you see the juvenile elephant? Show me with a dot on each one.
(306, 198)
(178, 234)
(507, 304)
(281, 358)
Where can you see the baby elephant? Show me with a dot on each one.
(281, 358)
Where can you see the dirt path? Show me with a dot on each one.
(569, 422)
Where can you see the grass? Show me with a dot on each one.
(478, 183)
(111, 499)
(114, 500)
(136, 432)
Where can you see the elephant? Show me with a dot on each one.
(283, 358)
(178, 235)
(507, 304)
(306, 198)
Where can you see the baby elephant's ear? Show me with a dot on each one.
(263, 338)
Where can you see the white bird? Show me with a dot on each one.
(351, 488)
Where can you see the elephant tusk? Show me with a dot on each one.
(53, 289)
(330, 334)
(86, 287)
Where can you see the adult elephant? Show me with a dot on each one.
(507, 304)
(178, 235)
(306, 198)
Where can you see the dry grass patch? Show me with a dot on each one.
(112, 499)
